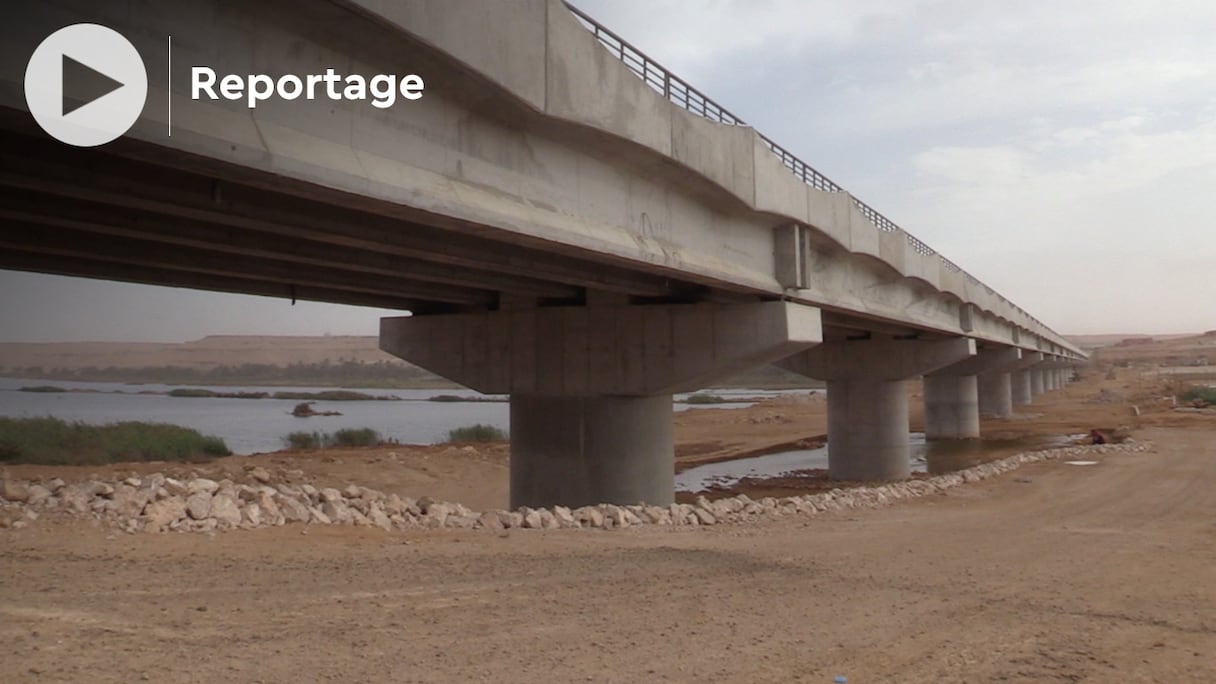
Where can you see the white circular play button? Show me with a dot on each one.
(85, 85)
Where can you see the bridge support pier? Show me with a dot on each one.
(591, 386)
(954, 398)
(1036, 381)
(1021, 387)
(1020, 375)
(868, 429)
(868, 399)
(996, 394)
(589, 450)
(952, 407)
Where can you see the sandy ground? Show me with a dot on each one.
(1051, 573)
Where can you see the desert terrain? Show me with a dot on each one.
(1053, 572)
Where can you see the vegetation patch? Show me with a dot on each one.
(346, 437)
(355, 437)
(303, 441)
(51, 441)
(1199, 395)
(191, 392)
(332, 395)
(325, 395)
(476, 433)
(198, 392)
(42, 388)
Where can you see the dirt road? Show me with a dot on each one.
(1052, 573)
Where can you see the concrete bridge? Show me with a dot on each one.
(568, 223)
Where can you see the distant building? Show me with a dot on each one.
(1133, 341)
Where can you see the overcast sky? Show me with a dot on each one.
(1062, 152)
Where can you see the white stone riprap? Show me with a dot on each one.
(155, 503)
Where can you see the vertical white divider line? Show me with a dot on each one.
(169, 85)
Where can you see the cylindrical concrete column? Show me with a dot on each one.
(1036, 382)
(1020, 383)
(1053, 380)
(952, 407)
(577, 451)
(995, 394)
(868, 430)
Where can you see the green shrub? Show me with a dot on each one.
(42, 388)
(1204, 394)
(190, 392)
(702, 398)
(328, 395)
(346, 437)
(354, 437)
(243, 395)
(52, 441)
(302, 441)
(476, 433)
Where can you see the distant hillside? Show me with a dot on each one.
(204, 354)
(1189, 350)
(1106, 340)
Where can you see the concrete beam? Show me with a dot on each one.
(614, 350)
(879, 357)
(71, 245)
(986, 360)
(173, 196)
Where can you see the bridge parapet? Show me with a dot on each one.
(685, 96)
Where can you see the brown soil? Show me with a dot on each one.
(1054, 573)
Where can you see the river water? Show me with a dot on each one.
(251, 426)
(258, 425)
(934, 457)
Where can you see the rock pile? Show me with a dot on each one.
(156, 503)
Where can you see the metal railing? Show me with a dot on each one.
(679, 92)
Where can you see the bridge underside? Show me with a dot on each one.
(125, 214)
(136, 213)
(129, 213)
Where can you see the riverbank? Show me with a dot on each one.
(477, 475)
(1056, 572)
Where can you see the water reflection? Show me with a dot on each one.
(934, 457)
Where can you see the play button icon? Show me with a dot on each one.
(85, 85)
